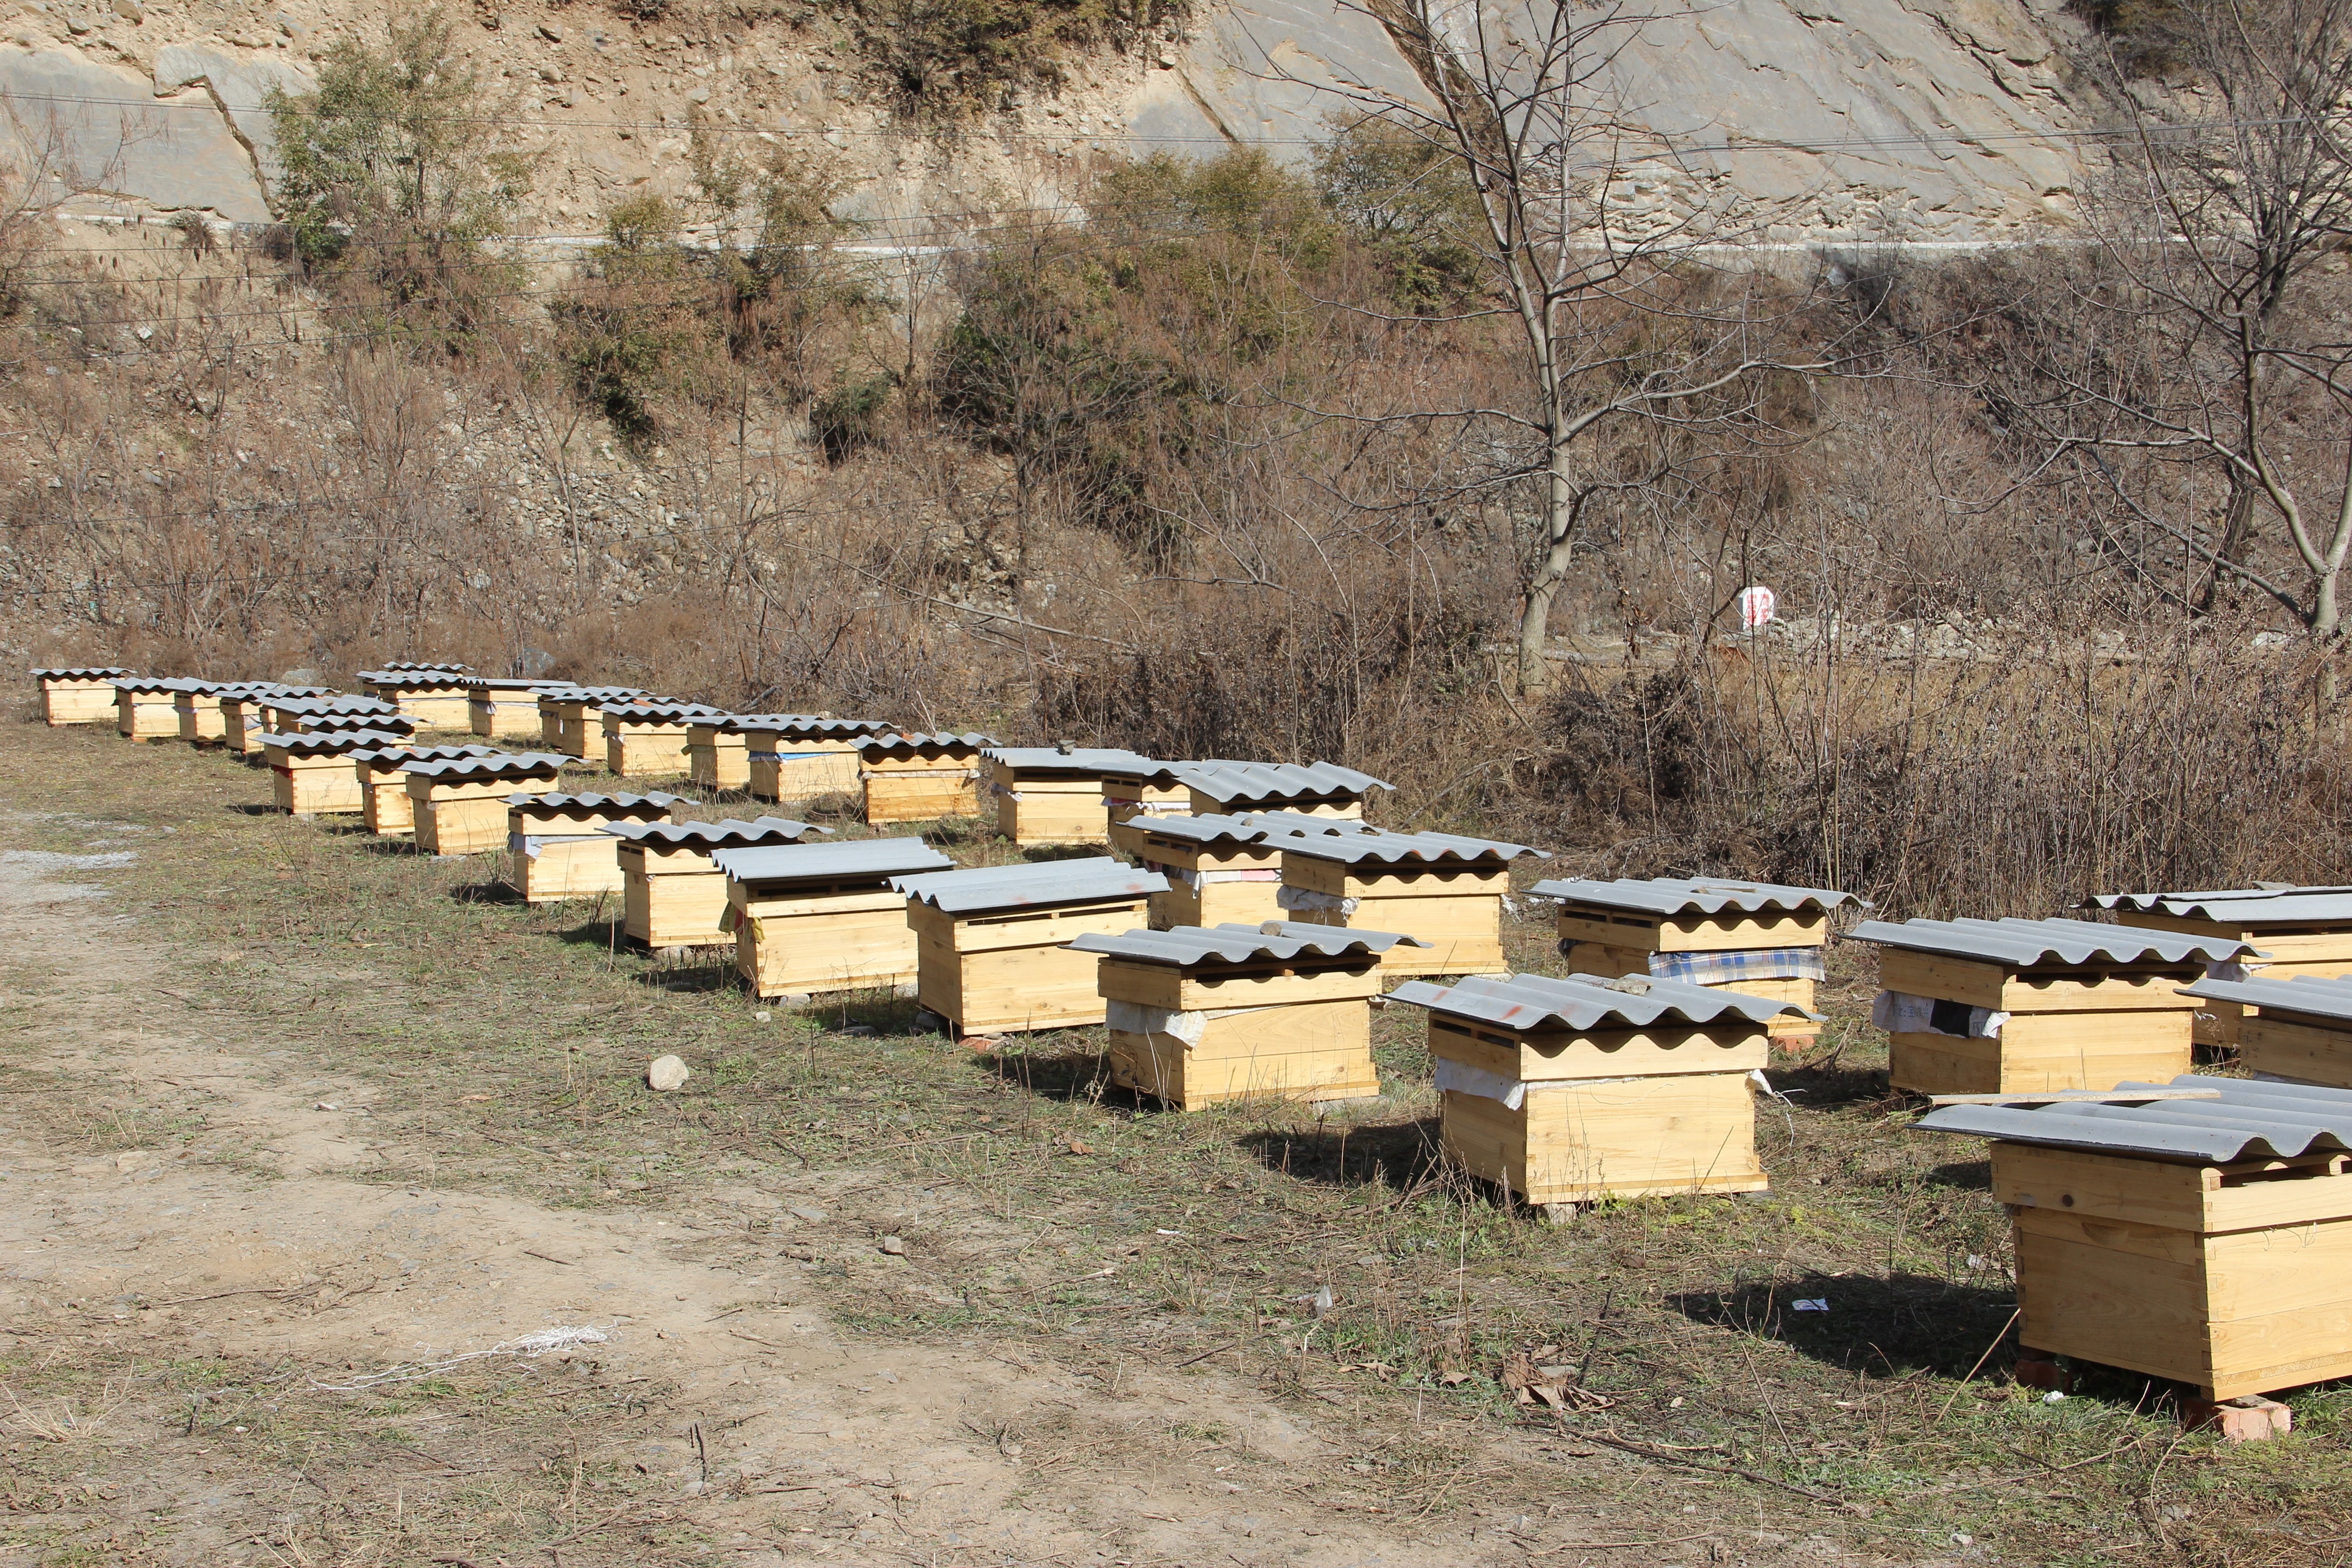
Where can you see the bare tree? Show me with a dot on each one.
(1592, 229)
(2206, 384)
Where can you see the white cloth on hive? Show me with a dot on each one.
(1304, 901)
(1900, 1013)
(1461, 1077)
(1134, 1018)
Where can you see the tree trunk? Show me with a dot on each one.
(1550, 572)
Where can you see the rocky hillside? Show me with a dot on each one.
(1924, 120)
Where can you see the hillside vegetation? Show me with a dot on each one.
(1238, 461)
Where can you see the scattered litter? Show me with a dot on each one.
(1818, 1304)
(2054, 1397)
(1323, 1302)
(543, 1342)
(326, 1105)
(892, 1246)
(1959, 1540)
(763, 1017)
(1165, 1231)
(667, 1073)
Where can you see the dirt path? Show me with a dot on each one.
(721, 1418)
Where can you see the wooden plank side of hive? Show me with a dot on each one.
(1692, 1133)
(2121, 1294)
(1563, 1056)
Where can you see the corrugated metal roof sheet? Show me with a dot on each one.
(896, 743)
(2322, 996)
(734, 832)
(878, 858)
(569, 803)
(801, 724)
(1078, 759)
(270, 691)
(1378, 847)
(1225, 782)
(2025, 942)
(591, 693)
(1247, 827)
(1675, 896)
(291, 703)
(648, 712)
(511, 683)
(1030, 885)
(412, 667)
(1237, 943)
(498, 765)
(411, 675)
(396, 724)
(2274, 904)
(152, 683)
(1584, 1002)
(80, 672)
(318, 743)
(2247, 1120)
(423, 753)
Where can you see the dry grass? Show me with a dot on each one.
(1058, 1220)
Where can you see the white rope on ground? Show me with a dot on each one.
(533, 1345)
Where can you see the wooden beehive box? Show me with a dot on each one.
(993, 943)
(1048, 794)
(572, 717)
(920, 778)
(434, 695)
(197, 710)
(245, 713)
(810, 919)
(1281, 1010)
(1566, 1091)
(295, 714)
(2208, 1240)
(342, 723)
(672, 895)
(1446, 889)
(1308, 789)
(384, 787)
(1760, 938)
(312, 775)
(557, 847)
(1221, 870)
(146, 707)
(457, 805)
(2297, 1029)
(2004, 1007)
(78, 694)
(799, 756)
(503, 707)
(1147, 788)
(717, 756)
(2292, 930)
(649, 740)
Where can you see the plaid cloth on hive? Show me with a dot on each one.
(1726, 968)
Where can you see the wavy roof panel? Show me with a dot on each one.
(1030, 885)
(1234, 943)
(1585, 1002)
(1708, 896)
(2025, 944)
(2244, 1121)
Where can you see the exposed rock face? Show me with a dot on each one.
(1858, 119)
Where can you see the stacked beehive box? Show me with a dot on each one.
(2207, 1239)
(920, 778)
(2292, 930)
(558, 848)
(2000, 1007)
(815, 917)
(1762, 939)
(1566, 1091)
(672, 894)
(1221, 870)
(649, 740)
(1279, 1011)
(505, 708)
(1443, 888)
(146, 707)
(290, 713)
(1054, 794)
(384, 787)
(1144, 786)
(2296, 1030)
(314, 774)
(245, 714)
(799, 756)
(717, 756)
(457, 805)
(434, 695)
(992, 943)
(196, 709)
(344, 723)
(78, 694)
(572, 717)
(1311, 789)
